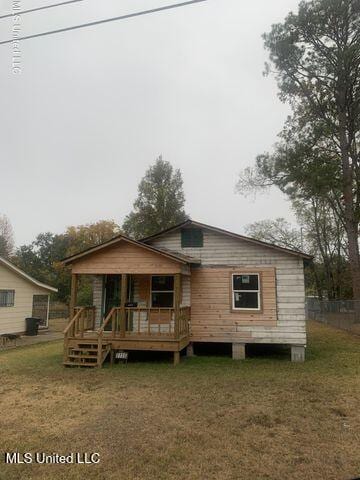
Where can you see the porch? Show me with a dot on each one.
(141, 301)
(129, 328)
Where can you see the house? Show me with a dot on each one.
(188, 284)
(21, 296)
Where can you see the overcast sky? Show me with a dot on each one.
(93, 108)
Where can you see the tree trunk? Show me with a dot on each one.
(323, 253)
(351, 223)
(318, 285)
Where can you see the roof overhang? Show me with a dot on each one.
(24, 275)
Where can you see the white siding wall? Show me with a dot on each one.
(186, 293)
(97, 298)
(221, 249)
(12, 319)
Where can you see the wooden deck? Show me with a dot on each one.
(125, 328)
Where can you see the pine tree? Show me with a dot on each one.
(160, 201)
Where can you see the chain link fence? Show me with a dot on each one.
(343, 314)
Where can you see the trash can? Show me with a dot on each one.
(32, 326)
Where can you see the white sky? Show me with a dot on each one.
(93, 108)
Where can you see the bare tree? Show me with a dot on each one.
(6, 237)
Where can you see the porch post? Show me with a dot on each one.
(177, 300)
(124, 282)
(73, 294)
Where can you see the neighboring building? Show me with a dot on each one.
(191, 283)
(21, 296)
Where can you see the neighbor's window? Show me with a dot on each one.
(192, 238)
(246, 291)
(162, 291)
(7, 298)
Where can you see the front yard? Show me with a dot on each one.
(209, 418)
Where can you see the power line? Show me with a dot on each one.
(36, 9)
(106, 20)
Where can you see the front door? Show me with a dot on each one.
(112, 295)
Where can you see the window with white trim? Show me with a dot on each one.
(7, 298)
(162, 291)
(246, 291)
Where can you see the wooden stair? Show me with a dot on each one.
(85, 354)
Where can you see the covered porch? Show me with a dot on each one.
(141, 301)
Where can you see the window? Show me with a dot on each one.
(192, 237)
(162, 291)
(246, 291)
(7, 298)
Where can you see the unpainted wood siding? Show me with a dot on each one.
(212, 316)
(12, 319)
(126, 258)
(142, 290)
(223, 251)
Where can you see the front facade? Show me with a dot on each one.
(192, 283)
(21, 296)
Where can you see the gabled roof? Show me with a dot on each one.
(24, 275)
(193, 223)
(178, 257)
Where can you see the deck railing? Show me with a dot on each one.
(184, 321)
(132, 322)
(82, 321)
(146, 322)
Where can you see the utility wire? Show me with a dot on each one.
(106, 20)
(36, 9)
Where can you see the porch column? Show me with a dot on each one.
(177, 300)
(124, 282)
(73, 294)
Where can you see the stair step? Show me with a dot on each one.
(84, 364)
(84, 350)
(85, 354)
(74, 355)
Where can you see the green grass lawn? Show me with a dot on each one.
(208, 418)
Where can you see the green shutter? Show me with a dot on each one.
(192, 238)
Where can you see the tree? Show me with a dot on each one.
(42, 258)
(160, 201)
(6, 237)
(91, 234)
(322, 237)
(315, 56)
(278, 231)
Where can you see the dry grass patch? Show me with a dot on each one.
(209, 418)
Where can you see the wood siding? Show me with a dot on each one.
(126, 258)
(12, 319)
(212, 316)
(222, 251)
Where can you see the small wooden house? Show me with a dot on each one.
(21, 296)
(191, 283)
